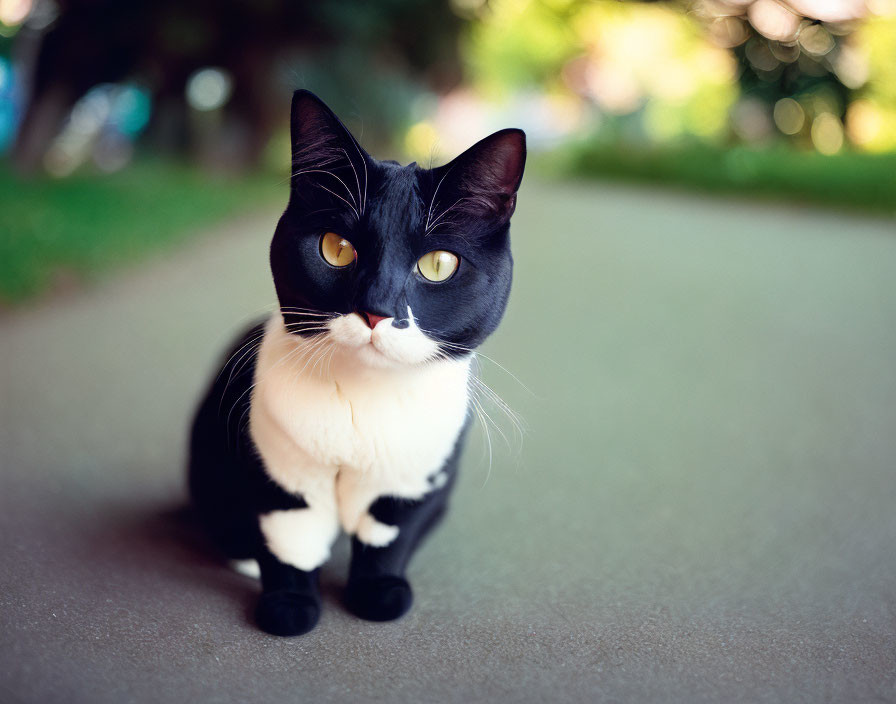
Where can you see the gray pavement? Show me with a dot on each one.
(703, 508)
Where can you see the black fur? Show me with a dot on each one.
(392, 215)
(405, 212)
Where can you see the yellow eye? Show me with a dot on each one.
(438, 265)
(337, 250)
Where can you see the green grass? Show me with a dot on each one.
(54, 230)
(57, 231)
(853, 181)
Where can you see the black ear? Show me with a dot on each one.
(485, 178)
(325, 155)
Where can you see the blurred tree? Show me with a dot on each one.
(795, 64)
(871, 118)
(266, 47)
(793, 70)
(644, 68)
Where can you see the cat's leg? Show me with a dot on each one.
(356, 492)
(297, 530)
(289, 604)
(386, 530)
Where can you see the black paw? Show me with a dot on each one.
(286, 613)
(379, 598)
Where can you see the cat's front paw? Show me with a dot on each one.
(287, 613)
(383, 598)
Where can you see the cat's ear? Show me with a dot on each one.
(486, 177)
(324, 151)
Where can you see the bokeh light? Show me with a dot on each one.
(8, 107)
(865, 123)
(816, 40)
(827, 133)
(421, 140)
(14, 12)
(647, 74)
(209, 89)
(789, 116)
(754, 70)
(101, 127)
(773, 20)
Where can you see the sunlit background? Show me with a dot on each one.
(681, 487)
(736, 95)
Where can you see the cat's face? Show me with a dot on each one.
(396, 265)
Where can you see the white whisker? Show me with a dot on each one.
(329, 173)
(356, 178)
(320, 185)
(435, 193)
(434, 223)
(364, 163)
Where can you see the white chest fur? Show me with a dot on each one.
(342, 433)
(397, 425)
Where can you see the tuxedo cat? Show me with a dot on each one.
(348, 407)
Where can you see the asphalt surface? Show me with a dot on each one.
(702, 509)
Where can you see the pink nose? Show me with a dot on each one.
(371, 319)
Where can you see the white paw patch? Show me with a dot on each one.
(299, 537)
(372, 532)
(247, 568)
(438, 480)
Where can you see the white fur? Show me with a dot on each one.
(247, 568)
(374, 533)
(439, 480)
(280, 529)
(385, 345)
(344, 418)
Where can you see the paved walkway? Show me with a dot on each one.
(703, 508)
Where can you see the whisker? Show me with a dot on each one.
(329, 173)
(249, 349)
(509, 373)
(310, 351)
(330, 358)
(480, 354)
(308, 312)
(292, 354)
(515, 419)
(495, 425)
(364, 164)
(356, 177)
(249, 389)
(320, 185)
(488, 439)
(435, 193)
(311, 326)
(431, 225)
(322, 358)
(448, 233)
(254, 338)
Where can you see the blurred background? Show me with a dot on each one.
(111, 109)
(681, 486)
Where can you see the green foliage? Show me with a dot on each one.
(874, 115)
(851, 180)
(620, 58)
(520, 43)
(87, 224)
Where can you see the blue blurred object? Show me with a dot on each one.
(131, 108)
(10, 104)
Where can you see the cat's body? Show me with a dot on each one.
(347, 408)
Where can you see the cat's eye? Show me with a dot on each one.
(337, 250)
(438, 265)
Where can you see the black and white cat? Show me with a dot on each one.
(348, 407)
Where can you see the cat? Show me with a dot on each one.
(349, 406)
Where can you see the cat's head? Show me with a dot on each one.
(397, 265)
